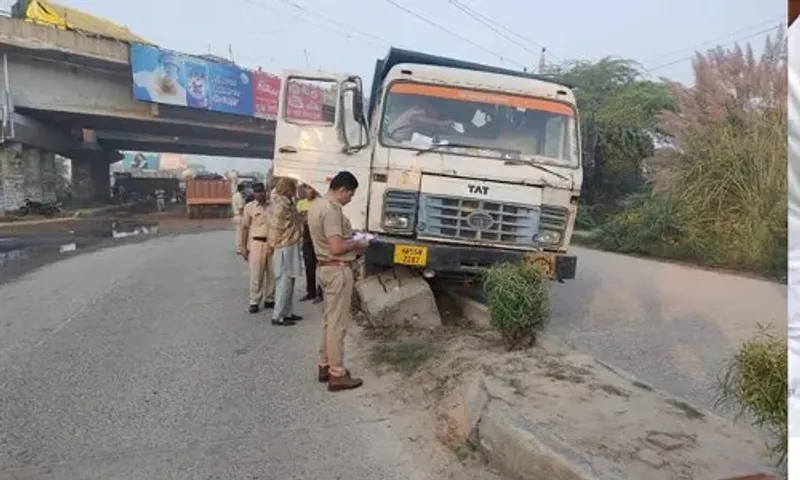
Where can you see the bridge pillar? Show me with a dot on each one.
(91, 179)
(25, 173)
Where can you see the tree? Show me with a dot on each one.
(620, 121)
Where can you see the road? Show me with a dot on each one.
(671, 325)
(141, 362)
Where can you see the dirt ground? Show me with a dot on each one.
(621, 425)
(413, 397)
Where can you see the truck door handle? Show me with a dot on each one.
(287, 150)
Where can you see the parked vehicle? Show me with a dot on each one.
(208, 195)
(47, 209)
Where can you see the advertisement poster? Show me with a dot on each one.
(172, 161)
(139, 160)
(304, 102)
(266, 94)
(172, 78)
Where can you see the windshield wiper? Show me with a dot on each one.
(437, 146)
(536, 165)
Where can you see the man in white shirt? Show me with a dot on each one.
(237, 204)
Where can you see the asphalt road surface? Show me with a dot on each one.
(141, 362)
(671, 325)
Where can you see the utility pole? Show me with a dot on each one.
(542, 62)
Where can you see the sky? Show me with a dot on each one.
(347, 36)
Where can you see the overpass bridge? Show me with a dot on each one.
(69, 94)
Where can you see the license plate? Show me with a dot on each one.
(412, 255)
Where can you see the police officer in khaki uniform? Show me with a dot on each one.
(254, 249)
(331, 234)
(237, 204)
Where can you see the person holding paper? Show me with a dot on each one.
(336, 251)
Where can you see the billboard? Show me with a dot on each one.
(172, 78)
(266, 94)
(140, 160)
(172, 161)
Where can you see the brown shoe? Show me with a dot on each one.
(347, 382)
(324, 374)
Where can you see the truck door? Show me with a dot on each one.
(320, 131)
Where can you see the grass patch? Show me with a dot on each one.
(464, 450)
(755, 383)
(405, 356)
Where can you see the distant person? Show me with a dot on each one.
(254, 249)
(160, 199)
(284, 239)
(237, 205)
(313, 291)
(331, 234)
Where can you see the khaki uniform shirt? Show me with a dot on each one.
(325, 220)
(255, 222)
(285, 225)
(237, 202)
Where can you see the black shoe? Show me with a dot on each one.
(317, 300)
(282, 322)
(253, 309)
(269, 304)
(293, 318)
(308, 297)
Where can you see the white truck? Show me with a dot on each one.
(461, 166)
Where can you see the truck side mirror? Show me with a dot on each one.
(353, 121)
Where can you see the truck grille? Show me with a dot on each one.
(455, 218)
(553, 218)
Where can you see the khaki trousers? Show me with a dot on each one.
(337, 291)
(237, 222)
(262, 276)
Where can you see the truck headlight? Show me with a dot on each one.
(396, 221)
(551, 237)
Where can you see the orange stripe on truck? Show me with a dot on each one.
(450, 93)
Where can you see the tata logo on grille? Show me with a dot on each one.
(480, 220)
(480, 189)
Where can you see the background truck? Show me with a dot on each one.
(208, 196)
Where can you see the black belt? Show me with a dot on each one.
(259, 239)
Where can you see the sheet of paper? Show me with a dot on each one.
(358, 236)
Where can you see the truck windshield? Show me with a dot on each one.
(489, 124)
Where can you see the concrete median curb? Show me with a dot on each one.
(508, 447)
(540, 435)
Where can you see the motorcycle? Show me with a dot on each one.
(46, 209)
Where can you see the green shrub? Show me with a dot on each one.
(519, 302)
(755, 383)
(649, 226)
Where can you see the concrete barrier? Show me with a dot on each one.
(567, 416)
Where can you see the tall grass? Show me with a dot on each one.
(728, 203)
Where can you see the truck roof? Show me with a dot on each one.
(398, 55)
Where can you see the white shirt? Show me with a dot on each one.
(794, 239)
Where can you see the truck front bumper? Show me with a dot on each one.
(462, 259)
